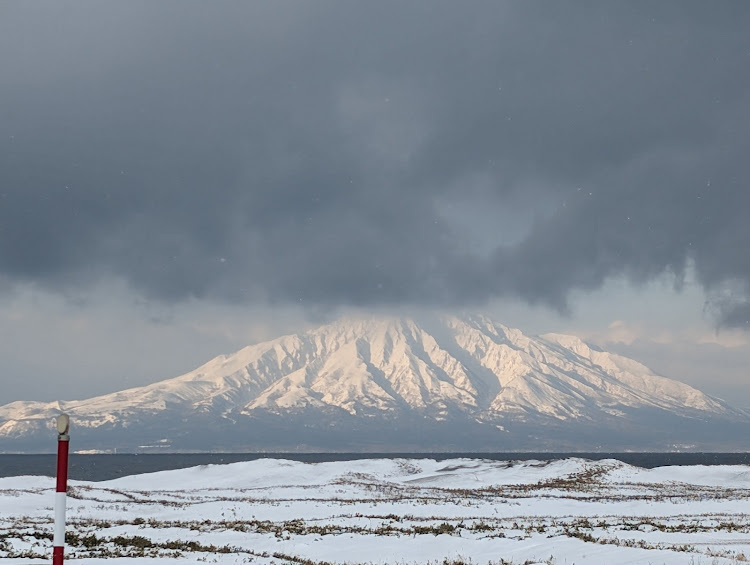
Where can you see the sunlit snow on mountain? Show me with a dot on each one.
(390, 384)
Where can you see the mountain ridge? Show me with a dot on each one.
(468, 371)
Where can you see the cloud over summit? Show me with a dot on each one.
(325, 153)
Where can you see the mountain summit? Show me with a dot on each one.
(390, 384)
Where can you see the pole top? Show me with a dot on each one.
(63, 424)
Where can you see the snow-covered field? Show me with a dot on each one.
(391, 511)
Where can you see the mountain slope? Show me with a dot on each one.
(390, 373)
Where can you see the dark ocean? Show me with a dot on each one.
(105, 467)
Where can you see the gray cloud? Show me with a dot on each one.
(324, 153)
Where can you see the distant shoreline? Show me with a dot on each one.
(101, 467)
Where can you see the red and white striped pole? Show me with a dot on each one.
(63, 439)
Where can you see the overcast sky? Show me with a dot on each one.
(179, 179)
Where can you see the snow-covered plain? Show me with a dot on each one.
(394, 511)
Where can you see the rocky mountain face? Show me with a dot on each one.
(387, 384)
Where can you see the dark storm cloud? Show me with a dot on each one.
(313, 152)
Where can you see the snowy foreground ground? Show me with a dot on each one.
(391, 511)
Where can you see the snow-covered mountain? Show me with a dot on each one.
(397, 384)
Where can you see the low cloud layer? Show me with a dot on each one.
(338, 153)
